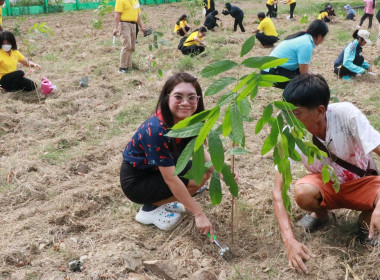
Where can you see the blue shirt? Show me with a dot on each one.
(149, 147)
(347, 57)
(298, 50)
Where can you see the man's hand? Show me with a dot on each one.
(375, 221)
(204, 225)
(297, 254)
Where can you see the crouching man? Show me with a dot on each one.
(343, 132)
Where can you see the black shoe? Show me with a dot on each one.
(123, 70)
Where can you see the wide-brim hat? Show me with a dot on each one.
(365, 35)
(347, 7)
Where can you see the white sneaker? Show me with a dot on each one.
(159, 217)
(176, 207)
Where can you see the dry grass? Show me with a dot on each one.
(50, 214)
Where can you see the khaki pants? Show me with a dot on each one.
(128, 40)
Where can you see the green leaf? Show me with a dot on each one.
(254, 92)
(236, 120)
(238, 151)
(217, 68)
(264, 84)
(229, 179)
(206, 128)
(283, 105)
(257, 62)
(270, 141)
(251, 86)
(225, 99)
(198, 165)
(273, 78)
(184, 157)
(219, 85)
(189, 131)
(274, 63)
(325, 174)
(264, 119)
(247, 46)
(215, 189)
(245, 106)
(244, 81)
(216, 151)
(150, 47)
(159, 72)
(193, 119)
(227, 123)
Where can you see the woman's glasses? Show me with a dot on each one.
(178, 99)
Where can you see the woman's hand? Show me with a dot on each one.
(35, 65)
(204, 225)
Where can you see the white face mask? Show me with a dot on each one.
(7, 48)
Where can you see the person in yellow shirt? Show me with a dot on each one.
(325, 14)
(272, 8)
(209, 6)
(292, 4)
(1, 14)
(181, 27)
(269, 35)
(12, 79)
(194, 44)
(127, 14)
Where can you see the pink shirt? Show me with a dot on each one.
(369, 8)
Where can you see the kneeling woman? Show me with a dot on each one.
(11, 78)
(181, 27)
(194, 44)
(350, 62)
(147, 172)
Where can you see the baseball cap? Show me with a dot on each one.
(365, 35)
(347, 7)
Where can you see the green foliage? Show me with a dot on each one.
(185, 63)
(285, 130)
(35, 33)
(304, 19)
(103, 9)
(376, 61)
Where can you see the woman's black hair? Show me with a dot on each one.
(307, 90)
(163, 100)
(8, 36)
(355, 34)
(316, 28)
(261, 15)
(202, 29)
(181, 18)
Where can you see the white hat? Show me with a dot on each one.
(365, 35)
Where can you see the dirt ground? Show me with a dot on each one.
(60, 197)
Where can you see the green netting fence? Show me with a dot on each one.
(47, 7)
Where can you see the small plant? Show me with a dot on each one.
(304, 19)
(376, 61)
(103, 9)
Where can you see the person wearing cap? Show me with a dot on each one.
(181, 27)
(369, 10)
(350, 61)
(237, 14)
(268, 35)
(350, 13)
(127, 14)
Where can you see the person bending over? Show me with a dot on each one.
(269, 35)
(350, 13)
(181, 27)
(149, 159)
(194, 44)
(210, 21)
(350, 61)
(344, 132)
(11, 78)
(298, 49)
(237, 14)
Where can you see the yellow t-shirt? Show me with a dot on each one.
(267, 26)
(177, 27)
(129, 9)
(323, 15)
(190, 40)
(1, 16)
(8, 63)
(291, 1)
(271, 2)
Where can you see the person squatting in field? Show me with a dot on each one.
(194, 44)
(211, 20)
(181, 27)
(149, 160)
(298, 49)
(127, 14)
(11, 78)
(350, 61)
(341, 130)
(268, 35)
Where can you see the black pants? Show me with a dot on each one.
(343, 71)
(326, 19)
(192, 50)
(266, 40)
(180, 32)
(16, 81)
(370, 17)
(378, 16)
(292, 7)
(282, 72)
(272, 10)
(239, 21)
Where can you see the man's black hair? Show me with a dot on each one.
(261, 15)
(307, 90)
